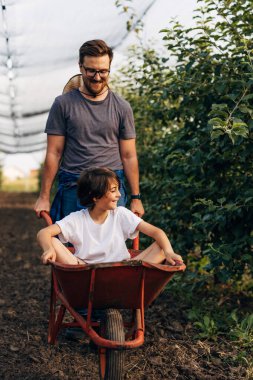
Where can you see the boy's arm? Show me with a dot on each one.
(162, 240)
(44, 238)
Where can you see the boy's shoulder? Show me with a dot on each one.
(79, 212)
(124, 212)
(75, 215)
(121, 210)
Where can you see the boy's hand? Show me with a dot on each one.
(49, 254)
(173, 258)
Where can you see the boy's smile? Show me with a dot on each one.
(106, 203)
(110, 199)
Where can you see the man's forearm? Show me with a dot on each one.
(50, 169)
(55, 146)
(131, 170)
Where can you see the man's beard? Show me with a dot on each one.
(91, 90)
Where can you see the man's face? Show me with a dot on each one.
(95, 84)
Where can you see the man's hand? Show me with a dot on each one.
(49, 254)
(42, 204)
(136, 207)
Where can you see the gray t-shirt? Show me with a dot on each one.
(92, 130)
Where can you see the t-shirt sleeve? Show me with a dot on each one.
(127, 127)
(56, 124)
(68, 226)
(129, 222)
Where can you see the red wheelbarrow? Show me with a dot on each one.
(110, 287)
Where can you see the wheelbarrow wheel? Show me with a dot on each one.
(111, 361)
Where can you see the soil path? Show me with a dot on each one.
(170, 350)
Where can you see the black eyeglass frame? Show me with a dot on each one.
(107, 72)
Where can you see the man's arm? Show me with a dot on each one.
(55, 146)
(130, 164)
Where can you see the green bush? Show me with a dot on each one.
(193, 112)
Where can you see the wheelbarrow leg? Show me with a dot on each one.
(54, 323)
(111, 361)
(52, 312)
(58, 323)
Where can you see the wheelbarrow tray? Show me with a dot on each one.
(120, 285)
(116, 285)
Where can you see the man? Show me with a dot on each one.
(89, 127)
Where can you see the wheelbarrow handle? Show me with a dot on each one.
(135, 244)
(45, 215)
(136, 240)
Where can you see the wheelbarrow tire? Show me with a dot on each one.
(112, 362)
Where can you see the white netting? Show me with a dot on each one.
(39, 43)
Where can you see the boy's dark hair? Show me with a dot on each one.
(94, 183)
(95, 48)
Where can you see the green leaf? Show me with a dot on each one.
(217, 133)
(216, 122)
(206, 320)
(249, 96)
(247, 257)
(240, 130)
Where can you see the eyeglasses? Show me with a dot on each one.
(91, 73)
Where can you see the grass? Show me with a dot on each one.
(220, 312)
(26, 184)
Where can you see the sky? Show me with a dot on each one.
(156, 19)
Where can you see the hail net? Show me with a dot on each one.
(39, 42)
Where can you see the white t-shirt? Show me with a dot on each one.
(99, 243)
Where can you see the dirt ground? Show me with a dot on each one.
(170, 351)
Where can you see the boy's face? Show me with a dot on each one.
(111, 197)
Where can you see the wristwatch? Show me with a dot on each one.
(136, 196)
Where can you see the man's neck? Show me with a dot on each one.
(88, 95)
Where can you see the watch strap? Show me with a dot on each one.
(135, 196)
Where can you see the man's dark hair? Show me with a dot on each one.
(94, 183)
(95, 48)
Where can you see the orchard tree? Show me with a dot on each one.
(193, 111)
